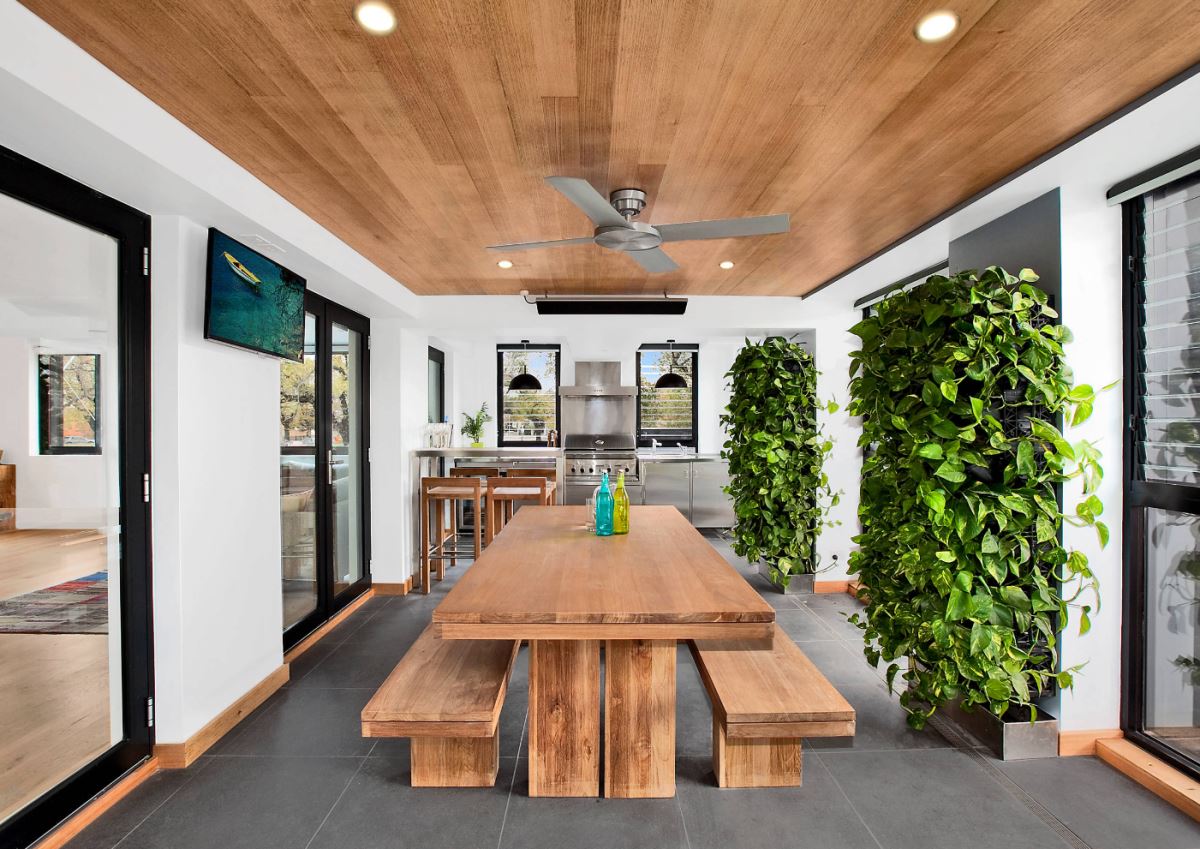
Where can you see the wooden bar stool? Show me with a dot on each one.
(503, 492)
(550, 475)
(436, 493)
(483, 472)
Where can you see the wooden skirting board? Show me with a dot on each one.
(338, 618)
(1155, 775)
(1083, 743)
(76, 823)
(831, 586)
(183, 755)
(393, 589)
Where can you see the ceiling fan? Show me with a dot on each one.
(617, 231)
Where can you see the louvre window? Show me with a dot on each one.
(667, 399)
(1168, 231)
(527, 415)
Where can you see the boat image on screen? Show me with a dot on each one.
(253, 301)
(243, 272)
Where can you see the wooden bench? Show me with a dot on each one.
(765, 698)
(446, 695)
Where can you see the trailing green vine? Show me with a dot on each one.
(776, 452)
(959, 383)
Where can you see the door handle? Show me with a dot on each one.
(329, 464)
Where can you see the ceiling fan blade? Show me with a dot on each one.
(554, 243)
(593, 204)
(724, 228)
(653, 260)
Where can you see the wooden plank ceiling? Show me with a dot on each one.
(420, 148)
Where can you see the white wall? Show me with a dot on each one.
(844, 464)
(1091, 306)
(218, 612)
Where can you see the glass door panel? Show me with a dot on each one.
(1172, 651)
(1162, 697)
(298, 480)
(345, 456)
(60, 538)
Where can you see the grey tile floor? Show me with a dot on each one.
(296, 774)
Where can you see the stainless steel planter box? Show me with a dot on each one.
(803, 584)
(1011, 740)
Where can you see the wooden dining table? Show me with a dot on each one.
(547, 580)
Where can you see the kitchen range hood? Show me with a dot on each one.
(595, 379)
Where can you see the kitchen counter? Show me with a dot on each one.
(693, 483)
(668, 457)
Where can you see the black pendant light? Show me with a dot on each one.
(524, 382)
(670, 380)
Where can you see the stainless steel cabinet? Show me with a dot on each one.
(711, 507)
(668, 483)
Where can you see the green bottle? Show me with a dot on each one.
(621, 507)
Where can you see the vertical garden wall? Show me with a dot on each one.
(959, 383)
(776, 452)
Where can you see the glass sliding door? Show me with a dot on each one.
(1162, 668)
(323, 469)
(74, 548)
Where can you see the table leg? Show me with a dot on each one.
(564, 718)
(639, 707)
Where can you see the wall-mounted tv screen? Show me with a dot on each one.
(252, 301)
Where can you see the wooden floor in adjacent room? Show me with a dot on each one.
(35, 559)
(54, 711)
(54, 688)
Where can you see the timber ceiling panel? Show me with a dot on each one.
(422, 147)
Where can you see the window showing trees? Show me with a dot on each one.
(298, 393)
(69, 403)
(528, 390)
(667, 394)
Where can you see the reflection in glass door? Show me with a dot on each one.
(323, 469)
(74, 611)
(345, 456)
(298, 480)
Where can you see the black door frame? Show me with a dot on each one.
(40, 187)
(329, 602)
(1138, 495)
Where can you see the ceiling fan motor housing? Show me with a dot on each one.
(634, 236)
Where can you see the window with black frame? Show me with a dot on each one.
(437, 385)
(69, 403)
(1162, 472)
(527, 393)
(667, 396)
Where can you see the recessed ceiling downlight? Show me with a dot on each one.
(727, 264)
(505, 263)
(936, 26)
(375, 17)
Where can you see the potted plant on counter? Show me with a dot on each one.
(473, 425)
(776, 452)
